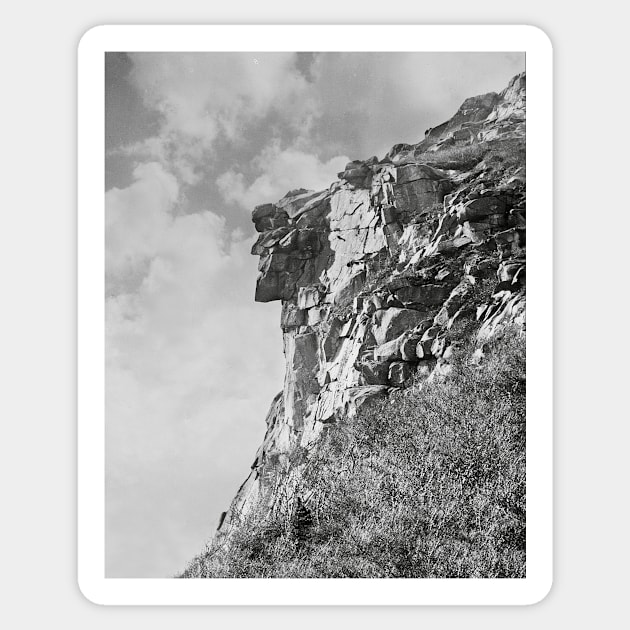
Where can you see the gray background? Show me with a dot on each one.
(37, 457)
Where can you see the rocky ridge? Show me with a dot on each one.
(374, 271)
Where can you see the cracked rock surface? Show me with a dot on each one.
(374, 271)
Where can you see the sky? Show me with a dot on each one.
(193, 142)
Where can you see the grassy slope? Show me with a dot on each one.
(427, 483)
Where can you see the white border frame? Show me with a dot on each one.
(91, 329)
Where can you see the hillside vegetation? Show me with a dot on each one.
(426, 483)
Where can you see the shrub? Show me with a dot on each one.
(427, 483)
(503, 158)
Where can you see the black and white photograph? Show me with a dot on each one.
(315, 315)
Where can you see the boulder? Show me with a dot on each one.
(514, 236)
(438, 346)
(318, 314)
(508, 269)
(458, 297)
(271, 238)
(271, 223)
(295, 202)
(353, 164)
(519, 277)
(373, 372)
(347, 291)
(401, 147)
(357, 173)
(278, 261)
(408, 348)
(450, 352)
(292, 316)
(476, 231)
(389, 351)
(387, 324)
(269, 287)
(431, 333)
(332, 339)
(414, 172)
(308, 297)
(441, 319)
(481, 208)
(307, 243)
(452, 245)
(355, 397)
(418, 197)
(496, 220)
(325, 408)
(443, 274)
(314, 216)
(399, 373)
(425, 368)
(425, 295)
(263, 211)
(423, 349)
(442, 369)
(374, 240)
(258, 249)
(372, 304)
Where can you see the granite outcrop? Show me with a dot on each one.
(374, 271)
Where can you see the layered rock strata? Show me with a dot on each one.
(374, 271)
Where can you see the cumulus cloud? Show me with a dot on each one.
(136, 219)
(202, 97)
(189, 375)
(280, 171)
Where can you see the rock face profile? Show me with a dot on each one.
(373, 272)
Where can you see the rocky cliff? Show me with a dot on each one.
(374, 271)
